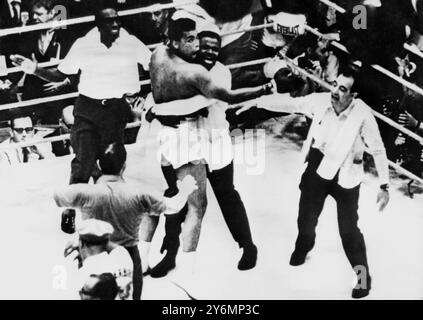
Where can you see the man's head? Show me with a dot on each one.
(112, 161)
(21, 129)
(183, 38)
(160, 17)
(100, 287)
(42, 11)
(344, 91)
(210, 45)
(107, 21)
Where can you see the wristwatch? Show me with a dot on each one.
(384, 187)
(267, 88)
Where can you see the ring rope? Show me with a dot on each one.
(386, 72)
(150, 46)
(333, 5)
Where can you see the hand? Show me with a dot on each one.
(138, 108)
(400, 140)
(176, 203)
(71, 246)
(407, 120)
(53, 87)
(28, 66)
(382, 199)
(5, 85)
(246, 106)
(187, 185)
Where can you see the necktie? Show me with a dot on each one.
(25, 153)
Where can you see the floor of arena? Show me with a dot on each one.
(33, 250)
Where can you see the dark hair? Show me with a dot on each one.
(113, 159)
(105, 4)
(12, 121)
(209, 34)
(179, 26)
(351, 71)
(106, 288)
(48, 4)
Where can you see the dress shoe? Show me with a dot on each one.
(163, 267)
(297, 258)
(360, 292)
(248, 259)
(68, 221)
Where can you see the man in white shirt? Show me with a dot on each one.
(107, 59)
(343, 127)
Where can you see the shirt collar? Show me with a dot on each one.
(109, 178)
(345, 113)
(94, 35)
(18, 1)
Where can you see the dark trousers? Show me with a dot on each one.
(96, 126)
(230, 203)
(137, 276)
(314, 191)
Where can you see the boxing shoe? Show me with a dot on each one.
(164, 266)
(171, 192)
(249, 258)
(68, 221)
(362, 290)
(297, 258)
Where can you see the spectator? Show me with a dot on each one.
(11, 13)
(45, 46)
(22, 130)
(100, 287)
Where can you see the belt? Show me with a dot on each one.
(174, 121)
(103, 102)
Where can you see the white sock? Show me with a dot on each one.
(144, 248)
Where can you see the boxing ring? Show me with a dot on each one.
(33, 241)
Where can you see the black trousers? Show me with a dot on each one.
(314, 191)
(96, 126)
(231, 205)
(137, 276)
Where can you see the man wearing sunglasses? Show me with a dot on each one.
(107, 60)
(21, 131)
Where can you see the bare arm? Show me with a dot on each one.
(213, 90)
(31, 67)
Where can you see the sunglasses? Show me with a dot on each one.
(21, 130)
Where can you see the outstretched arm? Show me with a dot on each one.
(205, 84)
(31, 67)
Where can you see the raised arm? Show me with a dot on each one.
(31, 67)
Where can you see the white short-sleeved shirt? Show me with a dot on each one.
(106, 72)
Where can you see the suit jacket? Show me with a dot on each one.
(58, 48)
